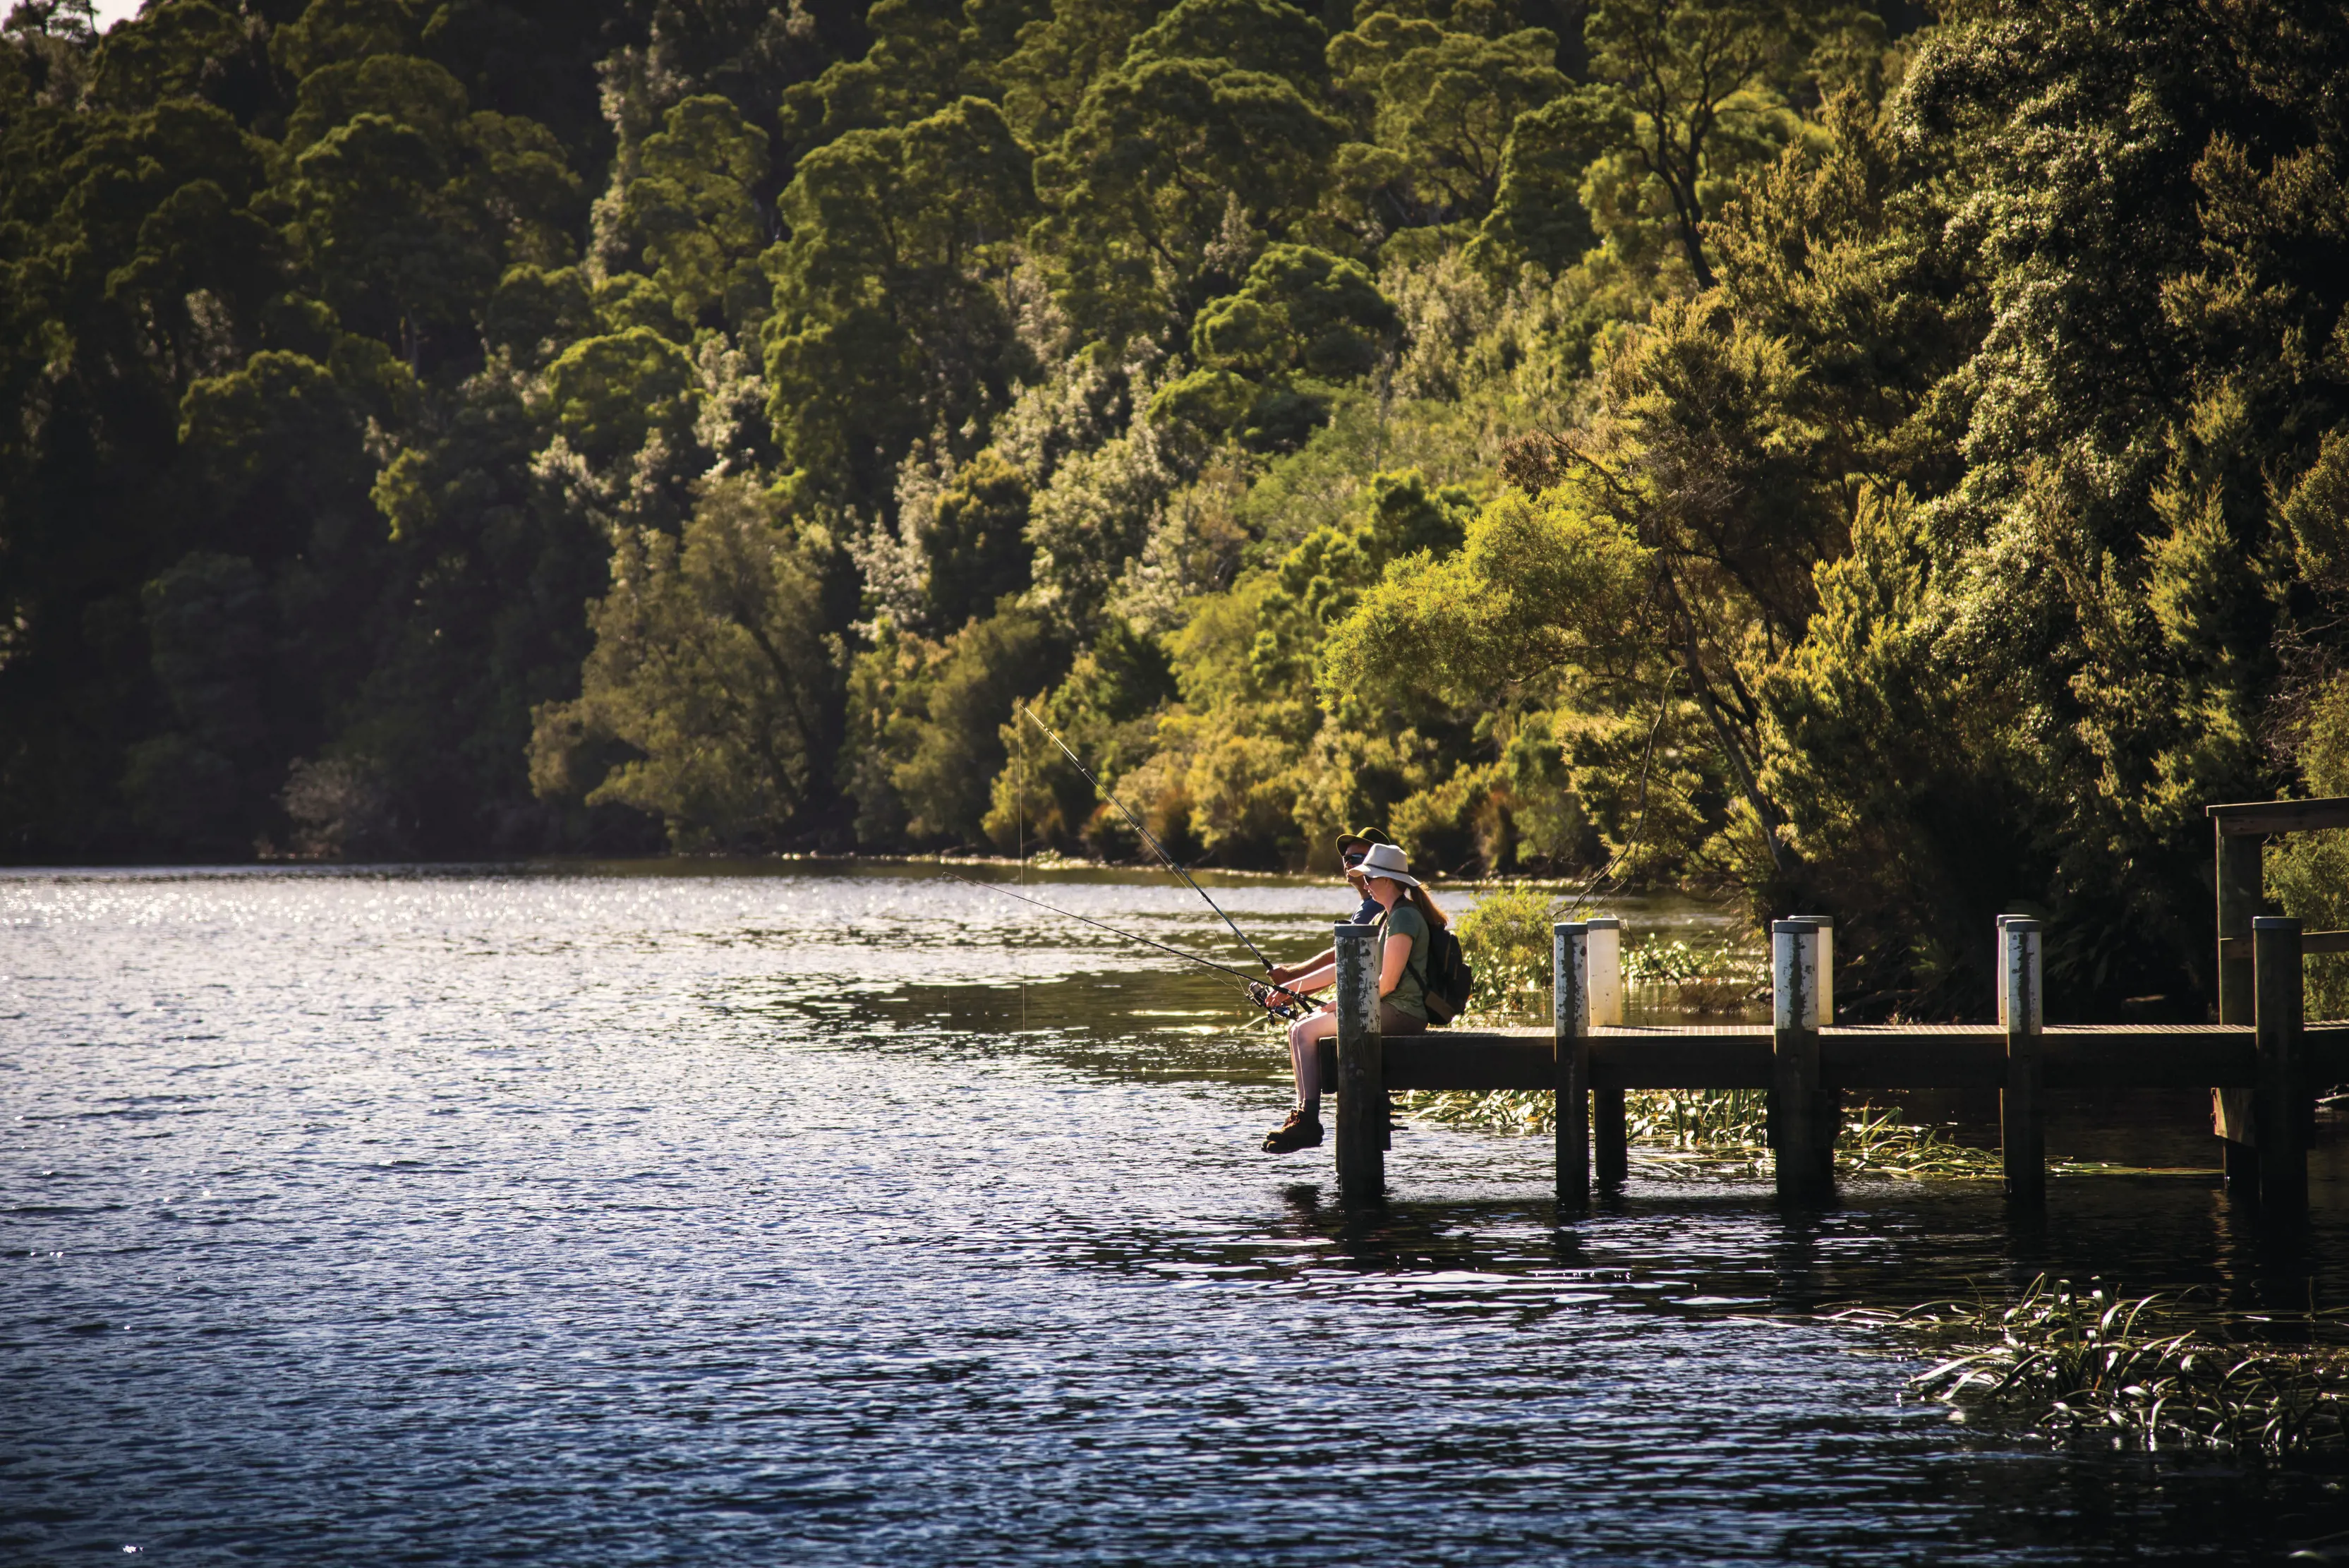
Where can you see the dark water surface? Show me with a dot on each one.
(621, 1218)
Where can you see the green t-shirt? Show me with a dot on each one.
(1410, 995)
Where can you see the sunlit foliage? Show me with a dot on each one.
(1900, 473)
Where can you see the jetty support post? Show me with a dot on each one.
(1570, 1013)
(2241, 878)
(1361, 1068)
(2021, 1102)
(1826, 924)
(1795, 1120)
(1610, 1132)
(1830, 1101)
(2284, 1105)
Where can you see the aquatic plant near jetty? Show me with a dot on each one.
(1720, 1128)
(2160, 1370)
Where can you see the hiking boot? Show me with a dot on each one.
(1301, 1130)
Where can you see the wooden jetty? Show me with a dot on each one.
(2240, 831)
(1805, 1062)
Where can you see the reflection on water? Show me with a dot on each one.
(860, 1217)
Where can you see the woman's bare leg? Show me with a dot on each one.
(1305, 1037)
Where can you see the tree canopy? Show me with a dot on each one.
(1899, 468)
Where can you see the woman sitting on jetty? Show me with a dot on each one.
(1402, 943)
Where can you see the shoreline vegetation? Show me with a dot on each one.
(1886, 463)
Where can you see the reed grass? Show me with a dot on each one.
(1722, 1127)
(2166, 1370)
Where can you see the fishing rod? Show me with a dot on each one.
(1147, 836)
(1253, 985)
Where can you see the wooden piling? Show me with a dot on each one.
(1795, 1139)
(1826, 1113)
(1610, 1135)
(1826, 924)
(1603, 969)
(2284, 1100)
(2233, 1116)
(2022, 1102)
(1361, 1073)
(1570, 1008)
(1603, 1008)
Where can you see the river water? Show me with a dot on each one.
(856, 1216)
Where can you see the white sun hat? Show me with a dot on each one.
(1388, 861)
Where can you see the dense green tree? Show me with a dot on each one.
(914, 67)
(709, 666)
(976, 541)
(1177, 167)
(1698, 83)
(1059, 56)
(889, 319)
(931, 717)
(1269, 353)
(693, 211)
(1537, 214)
(1439, 107)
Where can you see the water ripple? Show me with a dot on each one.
(853, 1216)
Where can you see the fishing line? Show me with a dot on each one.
(1663, 706)
(1147, 836)
(1242, 976)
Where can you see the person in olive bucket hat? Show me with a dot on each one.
(1351, 847)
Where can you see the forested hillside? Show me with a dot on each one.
(1896, 464)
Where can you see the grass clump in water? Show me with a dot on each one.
(1723, 1128)
(2161, 1370)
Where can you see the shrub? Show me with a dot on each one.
(1507, 940)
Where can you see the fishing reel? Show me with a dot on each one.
(1279, 1004)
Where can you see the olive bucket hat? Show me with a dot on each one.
(1352, 846)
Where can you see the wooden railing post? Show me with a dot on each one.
(2022, 1106)
(1362, 1075)
(1826, 924)
(1569, 1013)
(1829, 1124)
(1795, 1099)
(1998, 964)
(1605, 969)
(2240, 878)
(2284, 1100)
(1603, 1008)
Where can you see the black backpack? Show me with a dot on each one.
(1447, 978)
